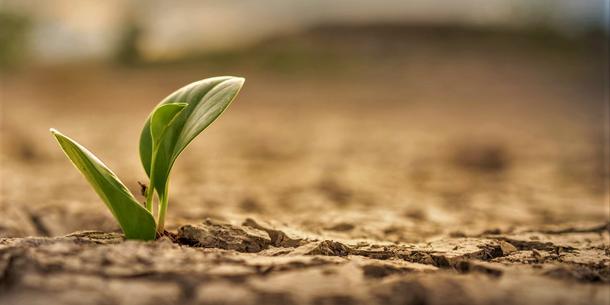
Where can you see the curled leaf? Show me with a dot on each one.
(205, 101)
(161, 117)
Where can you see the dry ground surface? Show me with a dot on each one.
(429, 175)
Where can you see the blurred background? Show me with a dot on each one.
(391, 120)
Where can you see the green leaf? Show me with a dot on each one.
(206, 100)
(161, 117)
(134, 219)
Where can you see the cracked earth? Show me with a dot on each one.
(219, 263)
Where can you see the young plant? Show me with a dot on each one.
(171, 126)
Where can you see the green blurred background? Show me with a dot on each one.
(129, 31)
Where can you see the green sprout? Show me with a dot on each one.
(171, 126)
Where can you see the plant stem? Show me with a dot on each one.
(162, 209)
(150, 193)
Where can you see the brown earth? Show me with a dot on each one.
(470, 175)
(219, 263)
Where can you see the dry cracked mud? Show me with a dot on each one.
(219, 263)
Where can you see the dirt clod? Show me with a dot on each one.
(507, 248)
(278, 238)
(212, 234)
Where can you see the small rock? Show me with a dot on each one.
(383, 268)
(332, 248)
(327, 247)
(278, 238)
(507, 248)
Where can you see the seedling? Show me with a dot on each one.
(171, 126)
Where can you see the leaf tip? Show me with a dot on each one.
(240, 80)
(56, 133)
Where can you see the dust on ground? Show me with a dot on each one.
(475, 175)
